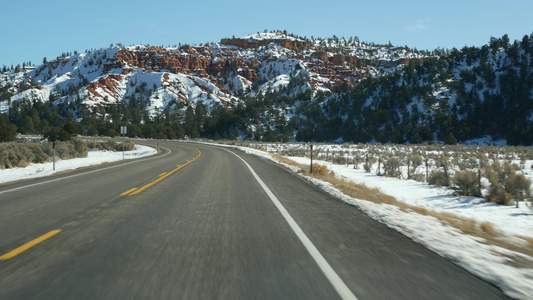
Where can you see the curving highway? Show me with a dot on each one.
(204, 222)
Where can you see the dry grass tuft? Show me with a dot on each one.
(320, 170)
(358, 191)
(528, 240)
(488, 228)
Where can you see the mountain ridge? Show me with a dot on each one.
(264, 65)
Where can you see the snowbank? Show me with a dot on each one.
(93, 158)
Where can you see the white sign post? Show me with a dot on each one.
(123, 130)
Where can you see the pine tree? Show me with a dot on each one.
(190, 126)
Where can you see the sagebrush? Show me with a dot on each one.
(22, 153)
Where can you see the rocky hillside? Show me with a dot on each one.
(273, 86)
(216, 73)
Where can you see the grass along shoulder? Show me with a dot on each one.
(483, 230)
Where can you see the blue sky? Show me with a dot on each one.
(33, 29)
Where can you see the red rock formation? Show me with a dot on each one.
(186, 60)
(252, 43)
(212, 64)
(249, 74)
(323, 56)
(351, 60)
(338, 59)
(109, 84)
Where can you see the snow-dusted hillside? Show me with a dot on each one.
(85, 74)
(460, 96)
(212, 74)
(283, 87)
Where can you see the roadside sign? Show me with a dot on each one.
(123, 129)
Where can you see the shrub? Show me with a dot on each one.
(369, 162)
(392, 167)
(518, 186)
(3, 160)
(13, 155)
(24, 153)
(444, 164)
(437, 178)
(129, 146)
(418, 177)
(367, 167)
(467, 183)
(35, 154)
(506, 184)
(111, 146)
(65, 150)
(498, 195)
(80, 148)
(413, 163)
(15, 159)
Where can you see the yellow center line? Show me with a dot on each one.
(162, 176)
(128, 191)
(28, 245)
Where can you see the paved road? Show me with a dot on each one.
(202, 222)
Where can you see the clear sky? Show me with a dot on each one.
(33, 29)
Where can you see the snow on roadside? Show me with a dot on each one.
(93, 158)
(492, 263)
(511, 220)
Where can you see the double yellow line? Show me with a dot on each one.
(135, 191)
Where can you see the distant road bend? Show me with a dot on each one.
(204, 222)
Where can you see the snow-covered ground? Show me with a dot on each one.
(93, 158)
(492, 263)
(511, 220)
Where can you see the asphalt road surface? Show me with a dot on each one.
(203, 222)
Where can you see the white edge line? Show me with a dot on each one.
(84, 173)
(328, 271)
